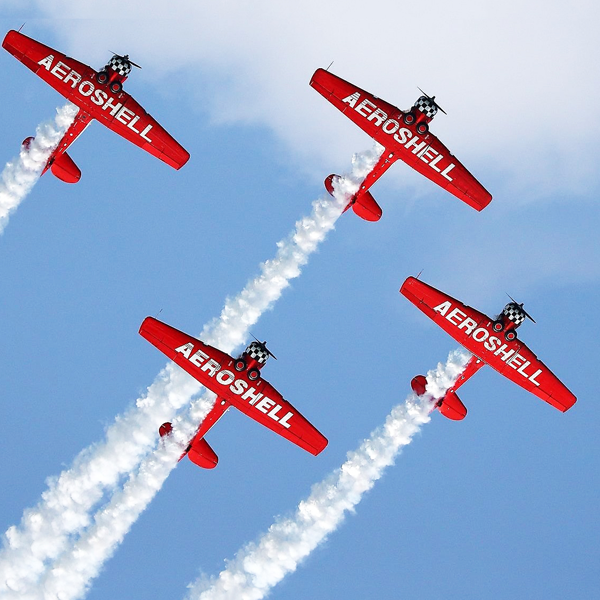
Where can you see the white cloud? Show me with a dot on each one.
(514, 77)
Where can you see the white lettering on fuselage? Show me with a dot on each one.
(485, 337)
(99, 97)
(402, 135)
(239, 387)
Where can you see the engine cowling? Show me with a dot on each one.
(514, 312)
(427, 106)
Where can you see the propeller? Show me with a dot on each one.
(263, 345)
(432, 98)
(126, 57)
(520, 305)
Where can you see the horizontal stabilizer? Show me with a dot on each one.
(418, 384)
(452, 407)
(65, 169)
(363, 204)
(201, 454)
(165, 429)
(366, 207)
(329, 187)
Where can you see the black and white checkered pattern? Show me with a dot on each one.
(426, 106)
(120, 64)
(257, 351)
(514, 313)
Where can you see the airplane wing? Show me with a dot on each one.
(474, 331)
(77, 82)
(214, 369)
(383, 122)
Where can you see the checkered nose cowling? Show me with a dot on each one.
(514, 313)
(256, 351)
(120, 64)
(426, 106)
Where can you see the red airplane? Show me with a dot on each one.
(404, 135)
(98, 95)
(491, 341)
(237, 382)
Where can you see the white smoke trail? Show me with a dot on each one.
(262, 564)
(22, 173)
(48, 530)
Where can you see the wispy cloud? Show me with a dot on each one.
(507, 102)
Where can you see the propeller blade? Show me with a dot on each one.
(511, 297)
(263, 345)
(432, 98)
(126, 57)
(520, 304)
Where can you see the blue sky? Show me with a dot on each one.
(500, 504)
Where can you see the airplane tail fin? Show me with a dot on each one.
(363, 204)
(450, 405)
(65, 169)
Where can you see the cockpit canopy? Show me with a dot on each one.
(515, 313)
(427, 106)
